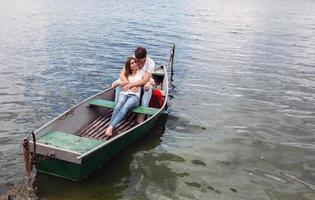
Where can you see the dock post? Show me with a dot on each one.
(28, 167)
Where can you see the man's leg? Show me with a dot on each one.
(146, 96)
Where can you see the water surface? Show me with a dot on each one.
(242, 121)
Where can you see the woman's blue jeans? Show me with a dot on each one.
(145, 97)
(123, 105)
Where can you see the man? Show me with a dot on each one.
(146, 66)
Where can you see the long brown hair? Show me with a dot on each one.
(127, 66)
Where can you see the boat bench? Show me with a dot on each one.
(162, 92)
(68, 142)
(159, 72)
(111, 104)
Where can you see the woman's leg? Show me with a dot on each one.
(131, 102)
(121, 100)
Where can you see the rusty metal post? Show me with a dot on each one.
(28, 167)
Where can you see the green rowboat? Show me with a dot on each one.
(74, 144)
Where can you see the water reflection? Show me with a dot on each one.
(150, 173)
(182, 125)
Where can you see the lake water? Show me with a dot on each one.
(240, 125)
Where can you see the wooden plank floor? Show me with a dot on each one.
(96, 129)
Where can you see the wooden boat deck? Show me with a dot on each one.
(96, 129)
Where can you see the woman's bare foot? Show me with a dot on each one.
(140, 118)
(109, 131)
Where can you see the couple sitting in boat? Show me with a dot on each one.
(136, 73)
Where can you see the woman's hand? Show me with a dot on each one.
(126, 87)
(134, 89)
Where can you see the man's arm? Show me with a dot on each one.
(122, 76)
(139, 83)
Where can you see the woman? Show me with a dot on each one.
(127, 99)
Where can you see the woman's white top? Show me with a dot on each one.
(137, 77)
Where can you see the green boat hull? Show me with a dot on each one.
(94, 160)
(73, 145)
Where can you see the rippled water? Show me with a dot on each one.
(242, 121)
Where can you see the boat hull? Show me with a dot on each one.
(94, 160)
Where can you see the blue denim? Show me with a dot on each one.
(117, 92)
(123, 105)
(145, 97)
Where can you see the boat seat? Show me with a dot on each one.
(163, 93)
(111, 104)
(159, 72)
(68, 141)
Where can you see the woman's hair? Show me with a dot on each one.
(128, 67)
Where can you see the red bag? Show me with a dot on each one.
(157, 99)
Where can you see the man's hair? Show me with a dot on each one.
(140, 53)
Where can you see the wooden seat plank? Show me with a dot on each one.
(111, 104)
(68, 141)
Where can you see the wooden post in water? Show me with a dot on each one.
(28, 167)
(171, 62)
(172, 55)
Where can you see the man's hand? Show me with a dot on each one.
(147, 86)
(126, 87)
(134, 89)
(123, 83)
(119, 82)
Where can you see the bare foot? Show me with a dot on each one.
(140, 118)
(109, 131)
